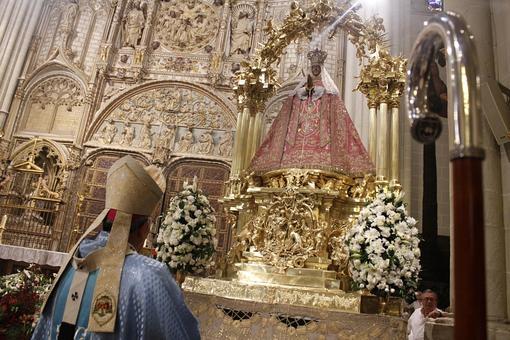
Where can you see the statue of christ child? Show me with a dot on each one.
(313, 130)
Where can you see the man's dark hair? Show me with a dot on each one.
(430, 291)
(136, 222)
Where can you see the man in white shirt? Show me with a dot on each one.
(416, 323)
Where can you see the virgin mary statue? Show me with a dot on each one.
(313, 130)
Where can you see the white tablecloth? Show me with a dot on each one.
(30, 255)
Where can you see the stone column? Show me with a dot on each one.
(501, 25)
(18, 21)
(477, 14)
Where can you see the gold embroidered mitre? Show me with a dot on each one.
(132, 189)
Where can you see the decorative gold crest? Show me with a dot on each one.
(103, 308)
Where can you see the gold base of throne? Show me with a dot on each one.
(292, 223)
(313, 275)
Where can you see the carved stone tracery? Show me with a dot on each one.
(58, 91)
(54, 106)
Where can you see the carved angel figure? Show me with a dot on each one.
(66, 25)
(69, 14)
(242, 34)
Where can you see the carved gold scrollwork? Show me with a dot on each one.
(288, 232)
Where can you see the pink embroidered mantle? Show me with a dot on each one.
(313, 133)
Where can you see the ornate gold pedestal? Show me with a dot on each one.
(291, 226)
(234, 310)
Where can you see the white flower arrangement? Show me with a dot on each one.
(383, 245)
(186, 239)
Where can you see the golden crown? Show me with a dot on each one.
(317, 56)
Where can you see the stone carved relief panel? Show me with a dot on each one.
(172, 119)
(186, 26)
(55, 106)
(178, 64)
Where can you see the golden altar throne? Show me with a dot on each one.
(288, 256)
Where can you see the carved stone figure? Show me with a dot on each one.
(128, 135)
(185, 142)
(225, 144)
(205, 143)
(185, 32)
(66, 26)
(164, 145)
(108, 133)
(242, 34)
(201, 113)
(134, 25)
(146, 136)
(69, 14)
